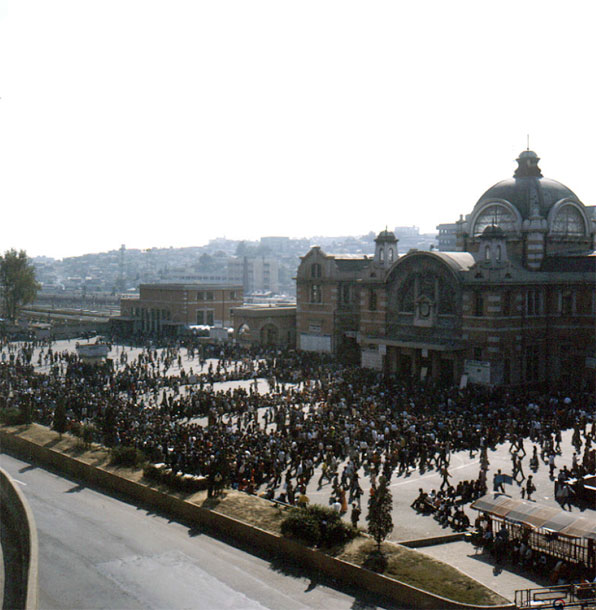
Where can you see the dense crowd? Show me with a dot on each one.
(344, 423)
(349, 421)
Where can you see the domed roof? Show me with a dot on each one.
(493, 232)
(528, 190)
(386, 236)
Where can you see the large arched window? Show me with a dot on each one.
(568, 222)
(497, 215)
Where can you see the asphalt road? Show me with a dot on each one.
(98, 552)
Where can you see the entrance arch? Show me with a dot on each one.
(269, 334)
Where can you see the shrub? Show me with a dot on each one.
(12, 417)
(317, 525)
(339, 533)
(127, 456)
(299, 524)
(152, 473)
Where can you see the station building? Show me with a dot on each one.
(168, 309)
(265, 324)
(514, 304)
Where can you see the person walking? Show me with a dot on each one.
(530, 488)
(498, 482)
(446, 476)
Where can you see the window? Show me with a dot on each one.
(200, 296)
(233, 294)
(381, 255)
(345, 294)
(478, 304)
(532, 363)
(532, 303)
(566, 303)
(390, 255)
(487, 253)
(209, 296)
(314, 328)
(477, 353)
(495, 215)
(506, 303)
(568, 222)
(408, 295)
(372, 300)
(315, 270)
(315, 293)
(499, 253)
(209, 318)
(200, 317)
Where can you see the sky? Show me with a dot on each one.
(169, 123)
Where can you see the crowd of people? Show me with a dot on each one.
(343, 422)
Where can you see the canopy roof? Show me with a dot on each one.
(537, 516)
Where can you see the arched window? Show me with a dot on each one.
(496, 215)
(390, 255)
(408, 295)
(381, 255)
(499, 253)
(568, 222)
(487, 253)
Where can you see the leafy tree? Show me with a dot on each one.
(380, 504)
(59, 423)
(17, 282)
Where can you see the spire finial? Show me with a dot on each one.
(528, 140)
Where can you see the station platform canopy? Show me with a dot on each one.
(536, 516)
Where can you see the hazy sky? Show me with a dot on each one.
(158, 123)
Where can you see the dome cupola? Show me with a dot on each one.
(509, 202)
(385, 248)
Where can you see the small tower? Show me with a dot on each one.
(385, 249)
(493, 247)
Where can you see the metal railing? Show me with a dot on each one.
(558, 597)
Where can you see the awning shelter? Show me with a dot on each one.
(550, 530)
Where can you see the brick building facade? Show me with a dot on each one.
(516, 304)
(169, 308)
(270, 325)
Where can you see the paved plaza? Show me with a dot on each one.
(408, 524)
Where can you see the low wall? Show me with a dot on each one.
(341, 571)
(19, 546)
(418, 543)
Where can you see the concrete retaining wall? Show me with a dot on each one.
(19, 546)
(433, 540)
(336, 569)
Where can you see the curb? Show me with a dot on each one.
(21, 586)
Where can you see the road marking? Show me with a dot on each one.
(20, 482)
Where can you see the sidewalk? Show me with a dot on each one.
(480, 566)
